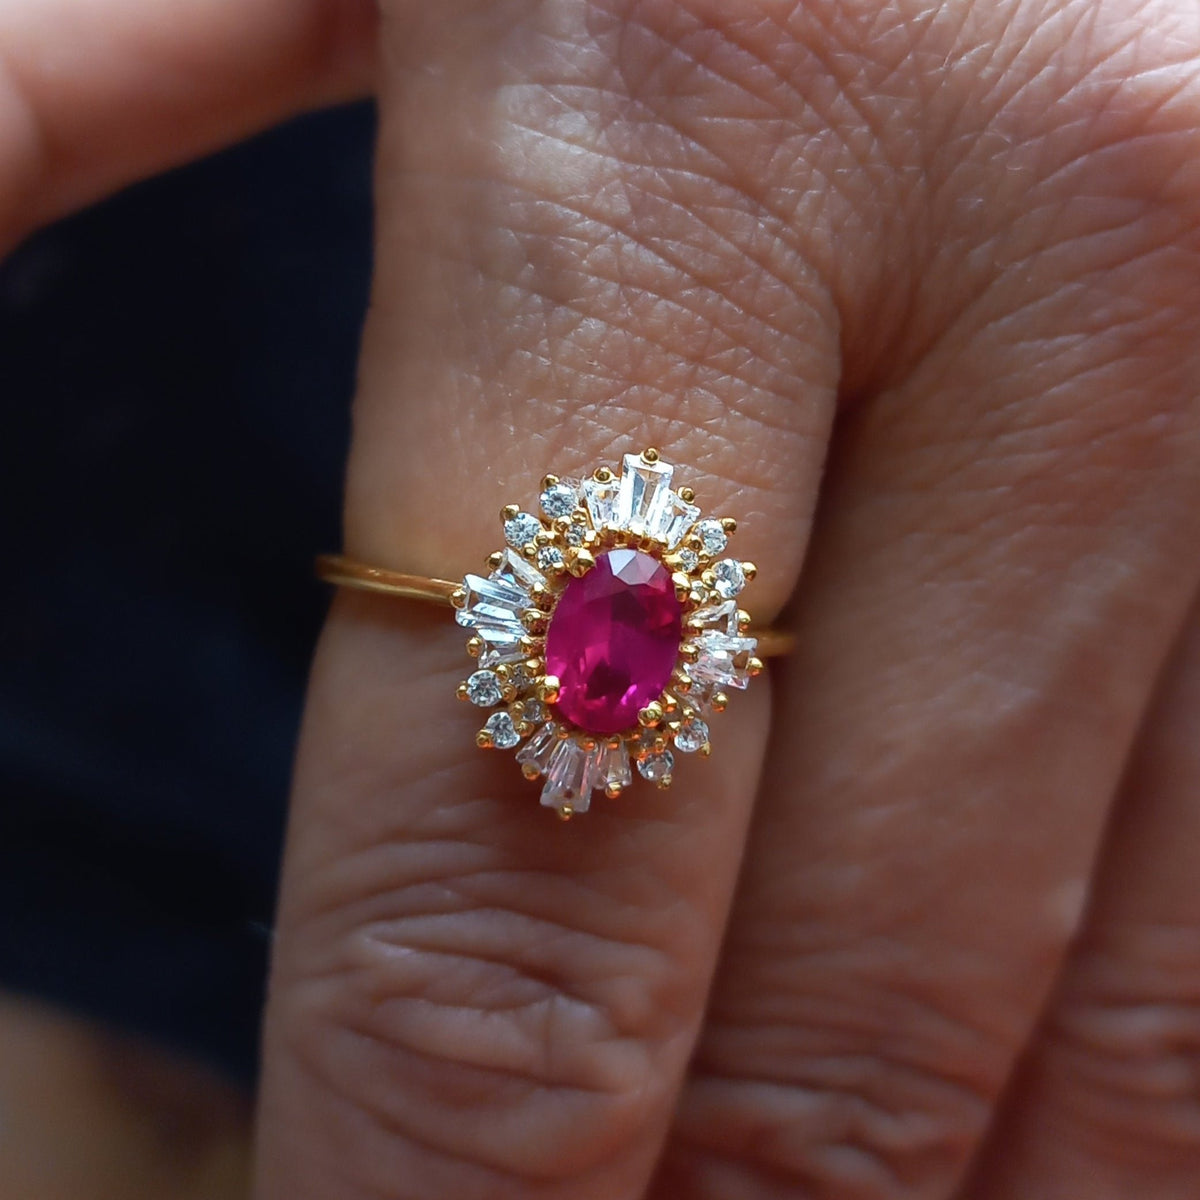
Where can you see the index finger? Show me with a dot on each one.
(97, 93)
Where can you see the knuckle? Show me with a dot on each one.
(866, 1092)
(468, 1016)
(1123, 1046)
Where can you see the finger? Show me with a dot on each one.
(1107, 1104)
(469, 1000)
(95, 94)
(1006, 550)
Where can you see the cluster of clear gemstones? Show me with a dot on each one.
(509, 611)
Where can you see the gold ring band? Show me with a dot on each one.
(348, 573)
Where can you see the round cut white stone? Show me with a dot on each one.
(535, 711)
(550, 558)
(656, 766)
(522, 529)
(730, 579)
(504, 732)
(689, 559)
(484, 689)
(712, 536)
(575, 534)
(559, 500)
(692, 735)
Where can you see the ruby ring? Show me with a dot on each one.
(606, 633)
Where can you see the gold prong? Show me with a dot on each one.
(533, 667)
(602, 475)
(475, 646)
(566, 813)
(720, 702)
(483, 740)
(461, 692)
(705, 750)
(707, 578)
(754, 667)
(687, 494)
(542, 596)
(613, 790)
(650, 455)
(509, 511)
(683, 586)
(664, 783)
(743, 620)
(651, 715)
(529, 771)
(582, 562)
(548, 481)
(458, 597)
(529, 645)
(533, 619)
(547, 688)
(749, 570)
(689, 652)
(729, 525)
(495, 559)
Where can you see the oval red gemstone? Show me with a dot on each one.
(614, 640)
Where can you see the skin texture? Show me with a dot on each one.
(910, 288)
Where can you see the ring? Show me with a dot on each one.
(607, 632)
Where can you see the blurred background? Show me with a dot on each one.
(176, 367)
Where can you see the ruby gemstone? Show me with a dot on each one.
(614, 640)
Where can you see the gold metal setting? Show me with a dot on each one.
(509, 612)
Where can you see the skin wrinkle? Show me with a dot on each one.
(567, 1135)
(1125, 1041)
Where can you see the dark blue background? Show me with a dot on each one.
(176, 367)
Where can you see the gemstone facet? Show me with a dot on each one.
(656, 766)
(504, 732)
(730, 578)
(692, 735)
(521, 529)
(613, 641)
(712, 536)
(560, 499)
(483, 688)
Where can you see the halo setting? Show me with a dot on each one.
(607, 632)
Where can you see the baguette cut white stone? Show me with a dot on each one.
(721, 616)
(672, 519)
(539, 747)
(570, 777)
(613, 769)
(515, 570)
(500, 647)
(601, 499)
(717, 666)
(642, 496)
(492, 604)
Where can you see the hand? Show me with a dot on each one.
(929, 927)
